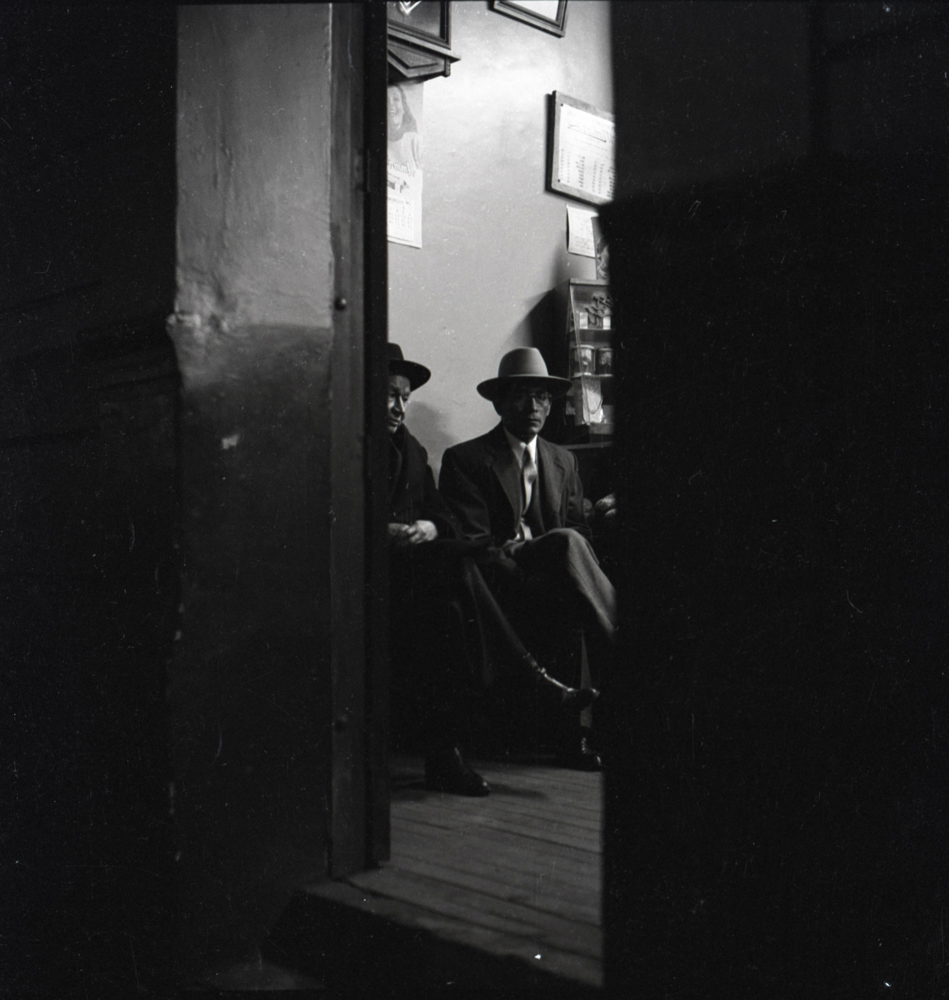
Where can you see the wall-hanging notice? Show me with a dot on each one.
(581, 160)
(580, 236)
(404, 164)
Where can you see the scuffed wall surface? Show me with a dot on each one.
(250, 683)
(253, 157)
(494, 240)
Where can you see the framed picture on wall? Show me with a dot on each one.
(581, 160)
(424, 23)
(548, 15)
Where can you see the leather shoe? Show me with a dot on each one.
(579, 755)
(570, 699)
(447, 772)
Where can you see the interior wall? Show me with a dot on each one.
(494, 240)
(253, 331)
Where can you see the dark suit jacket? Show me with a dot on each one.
(481, 480)
(412, 492)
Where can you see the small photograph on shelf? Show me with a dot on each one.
(604, 362)
(596, 313)
(592, 307)
(585, 401)
(582, 360)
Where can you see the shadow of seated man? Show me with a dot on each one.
(522, 494)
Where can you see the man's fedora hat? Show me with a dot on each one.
(524, 364)
(416, 374)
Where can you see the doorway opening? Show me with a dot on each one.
(476, 256)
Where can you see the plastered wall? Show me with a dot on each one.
(251, 329)
(494, 240)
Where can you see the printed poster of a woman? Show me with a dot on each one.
(404, 164)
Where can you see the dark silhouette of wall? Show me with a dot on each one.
(167, 451)
(89, 574)
(776, 809)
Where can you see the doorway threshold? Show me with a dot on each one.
(480, 893)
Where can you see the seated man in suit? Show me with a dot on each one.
(425, 644)
(524, 494)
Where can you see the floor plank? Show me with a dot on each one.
(562, 814)
(544, 835)
(538, 891)
(515, 874)
(489, 911)
(369, 956)
(521, 871)
(528, 845)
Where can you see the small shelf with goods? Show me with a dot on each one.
(589, 407)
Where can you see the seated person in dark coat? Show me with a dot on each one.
(425, 642)
(524, 494)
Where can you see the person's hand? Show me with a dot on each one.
(398, 534)
(421, 531)
(412, 534)
(605, 504)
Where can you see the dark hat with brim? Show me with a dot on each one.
(416, 374)
(524, 364)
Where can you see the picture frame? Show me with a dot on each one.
(581, 156)
(548, 15)
(422, 24)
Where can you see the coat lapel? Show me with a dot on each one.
(551, 475)
(506, 469)
(396, 461)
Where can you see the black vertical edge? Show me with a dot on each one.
(552, 132)
(817, 79)
(348, 821)
(618, 812)
(376, 262)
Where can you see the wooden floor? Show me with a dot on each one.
(515, 875)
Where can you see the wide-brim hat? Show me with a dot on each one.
(416, 374)
(524, 364)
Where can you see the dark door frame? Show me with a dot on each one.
(359, 811)
(376, 298)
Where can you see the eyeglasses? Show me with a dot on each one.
(521, 396)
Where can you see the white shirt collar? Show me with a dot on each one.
(518, 446)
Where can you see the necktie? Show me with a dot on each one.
(528, 478)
